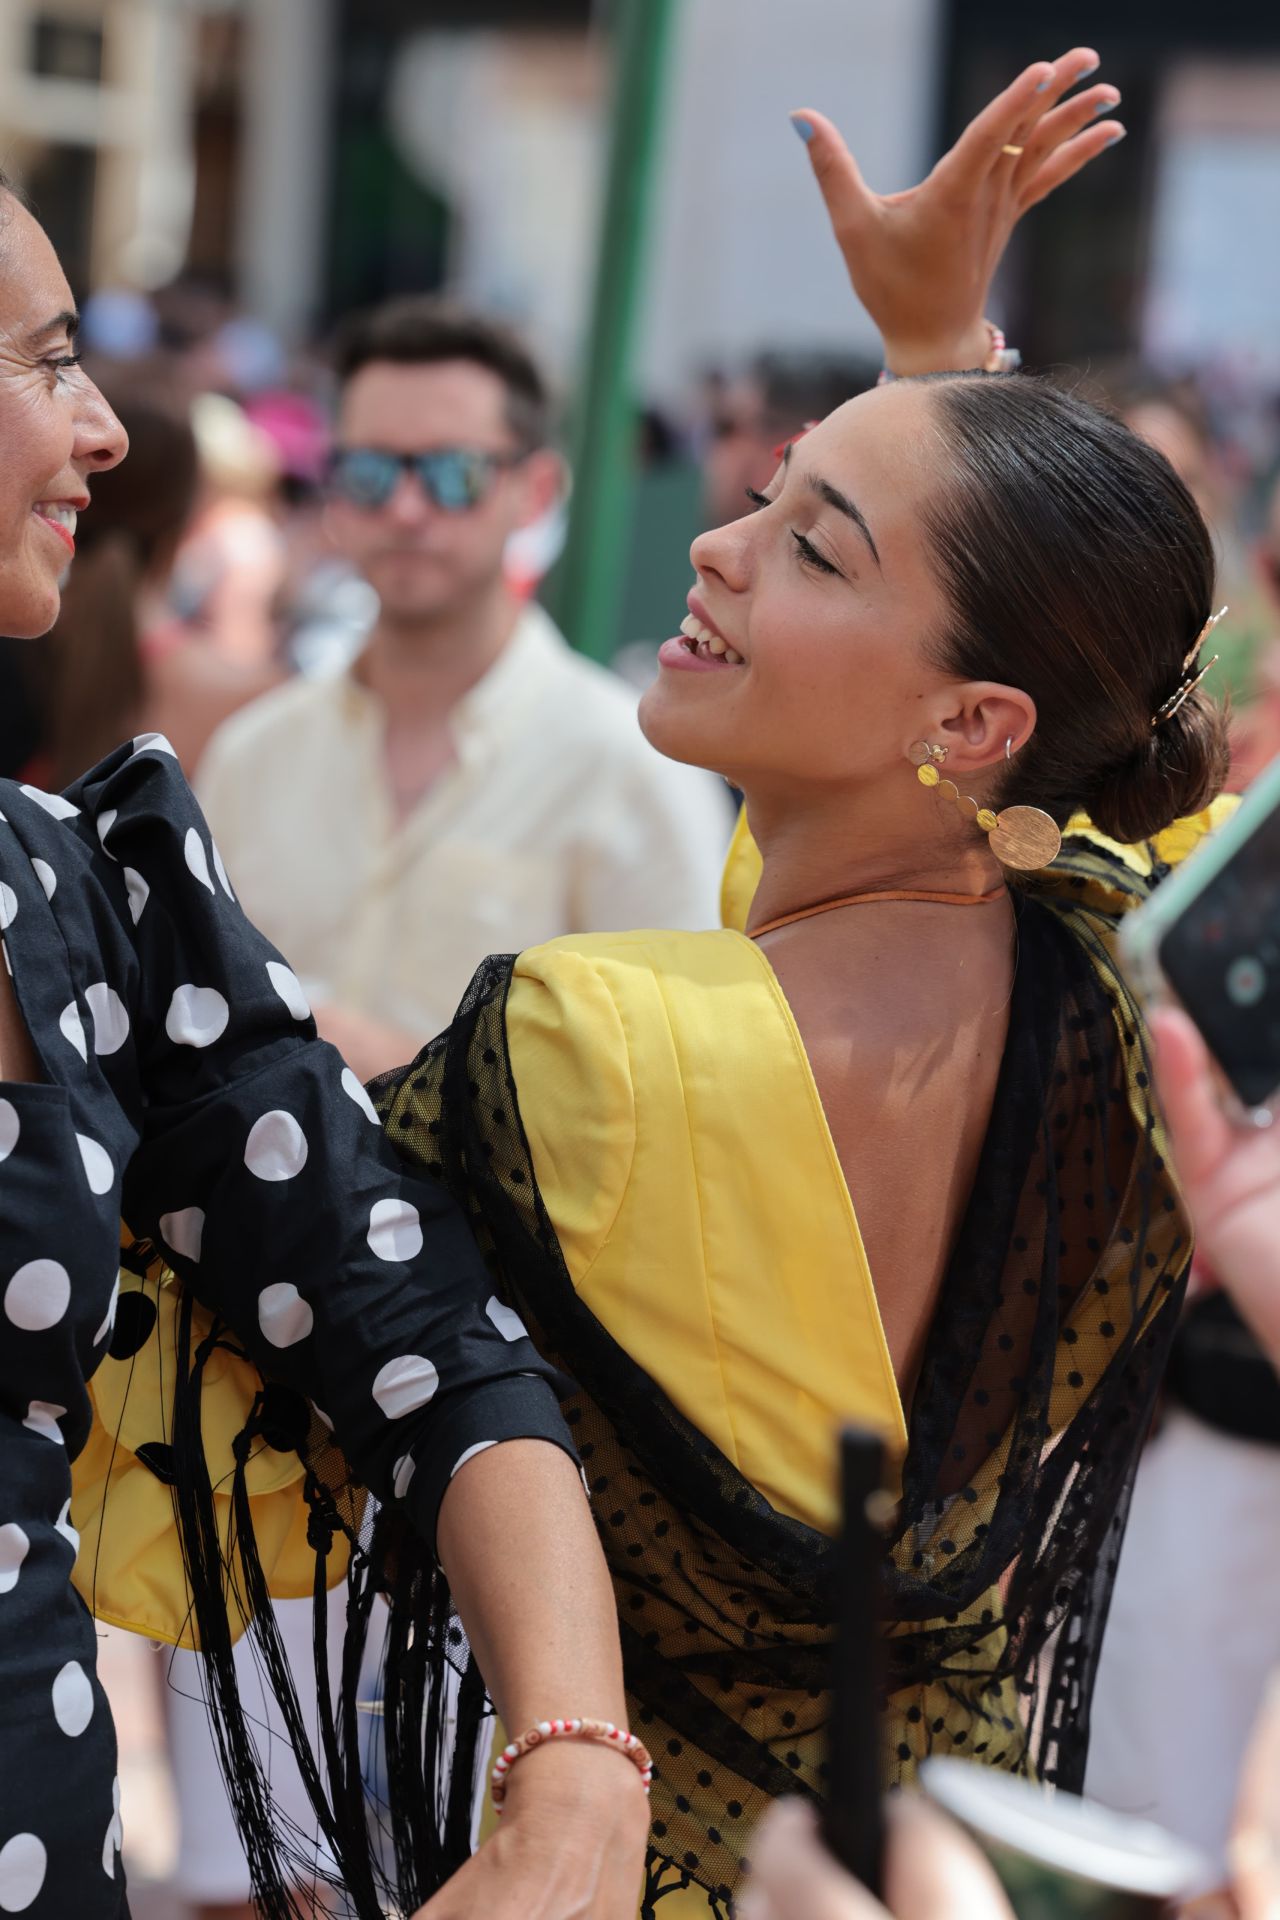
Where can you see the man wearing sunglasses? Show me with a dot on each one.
(470, 785)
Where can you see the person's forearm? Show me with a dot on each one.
(519, 1548)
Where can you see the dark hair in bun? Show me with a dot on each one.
(1080, 569)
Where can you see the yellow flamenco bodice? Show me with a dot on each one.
(684, 1158)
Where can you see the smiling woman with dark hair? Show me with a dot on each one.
(160, 1067)
(885, 1149)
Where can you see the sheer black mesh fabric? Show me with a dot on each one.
(391, 1841)
(1036, 1390)
(1039, 1377)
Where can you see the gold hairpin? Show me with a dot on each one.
(1186, 687)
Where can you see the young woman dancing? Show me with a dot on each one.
(885, 1149)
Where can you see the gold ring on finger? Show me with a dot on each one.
(1015, 151)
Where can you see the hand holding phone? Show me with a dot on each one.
(1210, 937)
(1205, 953)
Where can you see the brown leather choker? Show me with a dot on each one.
(869, 899)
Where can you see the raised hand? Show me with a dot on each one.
(922, 261)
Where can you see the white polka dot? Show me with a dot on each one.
(8, 905)
(43, 1417)
(14, 1548)
(395, 1230)
(52, 803)
(321, 1416)
(139, 892)
(401, 1474)
(352, 1087)
(104, 823)
(71, 1027)
(481, 1446)
(110, 1021)
(506, 1319)
(276, 1148)
(220, 870)
(109, 1320)
(23, 1861)
(115, 1833)
(196, 858)
(63, 1526)
(183, 1232)
(72, 1699)
(155, 742)
(38, 1296)
(197, 1016)
(283, 1314)
(289, 987)
(9, 1128)
(46, 876)
(98, 1169)
(402, 1386)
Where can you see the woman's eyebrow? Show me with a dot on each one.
(842, 504)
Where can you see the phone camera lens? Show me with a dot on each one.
(1246, 981)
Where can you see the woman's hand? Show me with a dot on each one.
(570, 1845)
(922, 262)
(933, 1872)
(1229, 1175)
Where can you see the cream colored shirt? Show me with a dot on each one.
(556, 817)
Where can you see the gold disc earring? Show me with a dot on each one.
(1024, 838)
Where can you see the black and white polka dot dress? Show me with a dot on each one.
(184, 1089)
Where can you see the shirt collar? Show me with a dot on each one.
(498, 700)
(526, 663)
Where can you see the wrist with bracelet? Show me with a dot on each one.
(590, 1732)
(1001, 358)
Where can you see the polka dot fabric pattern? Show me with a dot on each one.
(1036, 1389)
(182, 1087)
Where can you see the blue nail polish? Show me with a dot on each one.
(1045, 85)
(803, 127)
(1115, 139)
(1105, 106)
(1086, 71)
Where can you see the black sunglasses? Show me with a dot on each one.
(454, 479)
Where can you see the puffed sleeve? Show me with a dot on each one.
(264, 1174)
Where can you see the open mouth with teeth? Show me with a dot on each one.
(60, 518)
(707, 645)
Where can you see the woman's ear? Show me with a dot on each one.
(991, 723)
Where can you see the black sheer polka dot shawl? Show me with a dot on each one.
(1035, 1394)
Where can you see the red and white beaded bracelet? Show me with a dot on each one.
(603, 1732)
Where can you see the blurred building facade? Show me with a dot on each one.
(306, 155)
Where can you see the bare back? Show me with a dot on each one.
(903, 1010)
